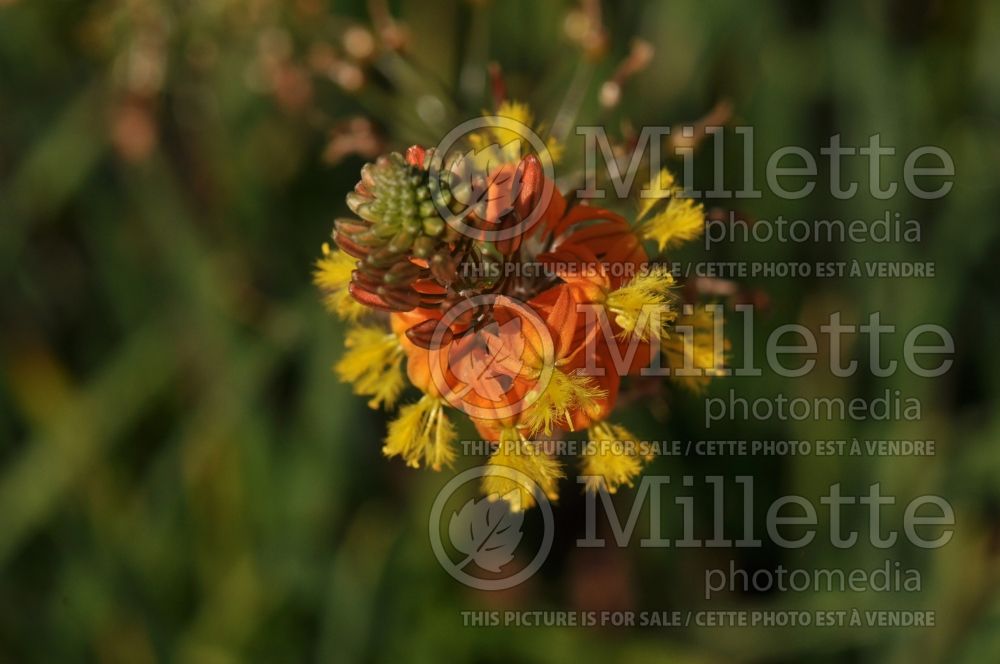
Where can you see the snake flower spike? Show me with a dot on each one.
(472, 279)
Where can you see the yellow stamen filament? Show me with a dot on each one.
(692, 351)
(643, 306)
(554, 403)
(523, 456)
(422, 433)
(373, 363)
(332, 276)
(680, 220)
(611, 458)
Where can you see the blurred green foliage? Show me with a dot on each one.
(183, 479)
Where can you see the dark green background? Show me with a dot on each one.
(183, 479)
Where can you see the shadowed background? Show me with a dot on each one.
(182, 478)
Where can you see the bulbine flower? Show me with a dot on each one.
(477, 275)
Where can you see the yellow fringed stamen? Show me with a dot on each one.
(422, 433)
(373, 363)
(563, 394)
(692, 350)
(510, 140)
(680, 220)
(660, 189)
(332, 276)
(611, 458)
(516, 110)
(642, 306)
(523, 456)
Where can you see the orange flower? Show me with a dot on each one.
(508, 304)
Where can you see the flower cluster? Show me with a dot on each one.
(441, 250)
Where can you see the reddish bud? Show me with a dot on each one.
(430, 334)
(367, 298)
(348, 246)
(400, 299)
(532, 181)
(415, 155)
